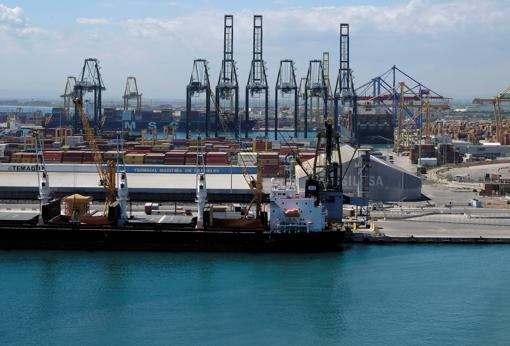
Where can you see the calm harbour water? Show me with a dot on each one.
(364, 295)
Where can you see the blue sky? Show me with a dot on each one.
(457, 47)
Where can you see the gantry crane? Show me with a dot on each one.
(427, 108)
(409, 119)
(131, 92)
(106, 171)
(503, 96)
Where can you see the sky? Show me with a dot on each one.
(458, 48)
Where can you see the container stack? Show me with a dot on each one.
(113, 155)
(217, 158)
(53, 156)
(141, 149)
(269, 162)
(22, 157)
(154, 159)
(288, 149)
(426, 151)
(191, 158)
(72, 156)
(179, 143)
(262, 145)
(134, 159)
(175, 157)
(162, 148)
(88, 157)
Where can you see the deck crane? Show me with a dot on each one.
(42, 178)
(201, 186)
(255, 185)
(106, 170)
(122, 182)
(295, 154)
(503, 96)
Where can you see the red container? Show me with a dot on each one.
(53, 156)
(88, 157)
(154, 158)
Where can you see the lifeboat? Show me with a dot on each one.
(292, 212)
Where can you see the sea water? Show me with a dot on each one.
(363, 295)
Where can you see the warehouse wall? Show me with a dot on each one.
(388, 183)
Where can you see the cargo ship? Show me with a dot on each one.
(293, 222)
(147, 119)
(374, 123)
(288, 221)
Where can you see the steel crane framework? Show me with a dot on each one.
(90, 80)
(227, 89)
(198, 84)
(502, 97)
(406, 99)
(130, 93)
(286, 86)
(257, 80)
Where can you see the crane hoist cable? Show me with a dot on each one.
(255, 185)
(295, 153)
(106, 170)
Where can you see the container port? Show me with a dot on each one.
(276, 172)
(372, 162)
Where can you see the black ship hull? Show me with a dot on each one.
(163, 239)
(375, 129)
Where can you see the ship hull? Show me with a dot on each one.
(375, 129)
(154, 239)
(149, 121)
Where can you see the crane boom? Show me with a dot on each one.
(106, 171)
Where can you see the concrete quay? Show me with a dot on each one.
(407, 231)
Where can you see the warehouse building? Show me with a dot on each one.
(146, 182)
(387, 182)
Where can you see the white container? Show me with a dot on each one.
(74, 141)
(475, 203)
(427, 162)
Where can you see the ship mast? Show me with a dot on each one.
(43, 179)
(122, 187)
(201, 186)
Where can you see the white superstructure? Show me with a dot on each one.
(292, 212)
(43, 179)
(123, 194)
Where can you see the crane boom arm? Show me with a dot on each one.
(106, 172)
